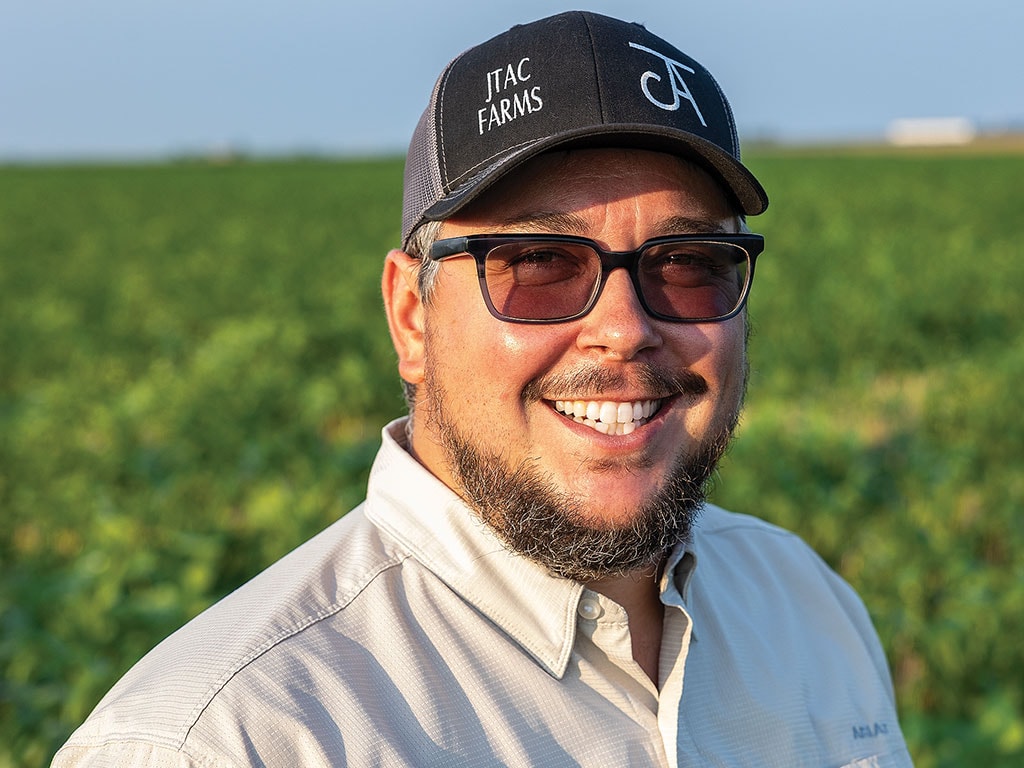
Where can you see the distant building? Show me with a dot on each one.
(931, 132)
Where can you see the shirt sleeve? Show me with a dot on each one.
(127, 753)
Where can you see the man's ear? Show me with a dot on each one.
(405, 313)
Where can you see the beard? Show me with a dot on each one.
(546, 523)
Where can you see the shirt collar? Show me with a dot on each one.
(440, 531)
(535, 608)
(675, 582)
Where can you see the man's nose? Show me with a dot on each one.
(618, 326)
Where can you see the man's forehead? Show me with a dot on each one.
(542, 222)
(551, 193)
(598, 162)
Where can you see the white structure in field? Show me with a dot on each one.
(931, 132)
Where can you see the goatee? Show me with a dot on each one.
(541, 521)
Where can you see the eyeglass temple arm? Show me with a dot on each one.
(442, 249)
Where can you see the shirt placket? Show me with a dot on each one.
(603, 639)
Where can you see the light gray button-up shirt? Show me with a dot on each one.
(406, 634)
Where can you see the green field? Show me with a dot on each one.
(194, 369)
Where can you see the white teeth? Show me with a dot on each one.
(609, 417)
(610, 412)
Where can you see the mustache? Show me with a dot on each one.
(589, 383)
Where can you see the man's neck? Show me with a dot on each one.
(638, 594)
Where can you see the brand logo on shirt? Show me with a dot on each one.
(676, 81)
(872, 731)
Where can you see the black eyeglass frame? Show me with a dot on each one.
(478, 246)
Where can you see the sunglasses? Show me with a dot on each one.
(556, 278)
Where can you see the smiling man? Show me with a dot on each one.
(535, 577)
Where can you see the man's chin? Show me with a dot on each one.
(598, 525)
(557, 528)
(610, 519)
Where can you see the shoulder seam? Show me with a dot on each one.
(736, 521)
(329, 610)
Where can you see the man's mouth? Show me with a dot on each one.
(609, 417)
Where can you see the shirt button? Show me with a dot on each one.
(589, 609)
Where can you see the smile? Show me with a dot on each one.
(608, 417)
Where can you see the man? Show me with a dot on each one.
(534, 578)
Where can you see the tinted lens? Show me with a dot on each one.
(541, 281)
(693, 280)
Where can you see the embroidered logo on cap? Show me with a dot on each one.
(675, 75)
(508, 96)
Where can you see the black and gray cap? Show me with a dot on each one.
(577, 79)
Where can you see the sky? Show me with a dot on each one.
(141, 79)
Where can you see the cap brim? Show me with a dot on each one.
(738, 182)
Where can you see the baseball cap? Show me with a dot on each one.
(577, 79)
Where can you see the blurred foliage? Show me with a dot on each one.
(194, 369)
(885, 420)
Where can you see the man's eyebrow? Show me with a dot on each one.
(562, 223)
(558, 223)
(689, 225)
